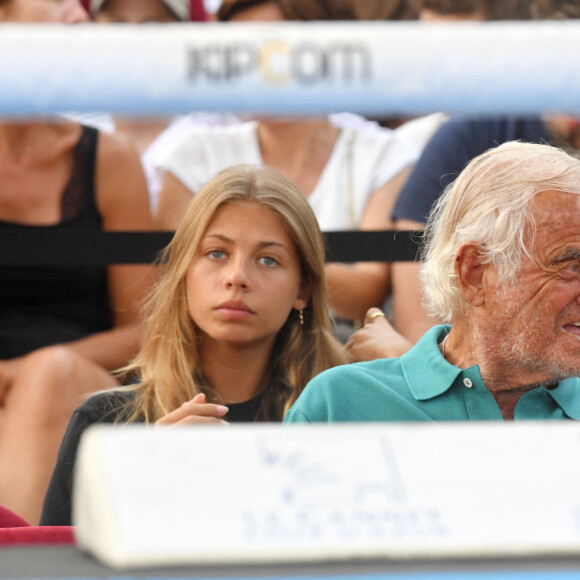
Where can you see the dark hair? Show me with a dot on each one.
(555, 9)
(386, 9)
(294, 9)
(509, 10)
(491, 9)
(456, 6)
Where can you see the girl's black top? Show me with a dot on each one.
(105, 408)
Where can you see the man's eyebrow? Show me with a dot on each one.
(568, 255)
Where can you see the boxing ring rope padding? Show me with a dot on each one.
(50, 248)
(372, 68)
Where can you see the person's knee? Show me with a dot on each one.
(53, 362)
(53, 381)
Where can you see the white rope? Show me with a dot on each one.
(291, 68)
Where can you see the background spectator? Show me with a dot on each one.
(146, 11)
(152, 135)
(555, 9)
(386, 9)
(60, 177)
(461, 10)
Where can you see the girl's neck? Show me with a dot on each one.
(237, 375)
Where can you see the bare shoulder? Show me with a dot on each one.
(115, 148)
(120, 182)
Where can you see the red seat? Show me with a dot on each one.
(16, 531)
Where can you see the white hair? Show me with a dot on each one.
(489, 205)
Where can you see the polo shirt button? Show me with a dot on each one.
(467, 383)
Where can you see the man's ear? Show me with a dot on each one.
(470, 271)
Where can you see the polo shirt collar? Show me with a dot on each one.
(567, 396)
(427, 373)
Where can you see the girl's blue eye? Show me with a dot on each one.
(268, 261)
(216, 254)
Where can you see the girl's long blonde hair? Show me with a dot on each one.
(168, 366)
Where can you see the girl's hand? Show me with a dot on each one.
(194, 412)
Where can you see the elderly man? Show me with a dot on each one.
(502, 265)
(453, 145)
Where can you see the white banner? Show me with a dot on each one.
(291, 68)
(303, 493)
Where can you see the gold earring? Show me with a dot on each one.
(301, 316)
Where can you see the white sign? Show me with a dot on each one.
(291, 68)
(265, 493)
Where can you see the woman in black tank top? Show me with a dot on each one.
(62, 329)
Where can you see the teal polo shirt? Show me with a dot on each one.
(421, 386)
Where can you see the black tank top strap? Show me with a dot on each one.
(45, 305)
(79, 198)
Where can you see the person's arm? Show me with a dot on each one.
(376, 339)
(354, 288)
(445, 155)
(173, 201)
(409, 315)
(123, 203)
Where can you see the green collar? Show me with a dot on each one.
(429, 375)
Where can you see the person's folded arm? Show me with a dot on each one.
(354, 288)
(409, 316)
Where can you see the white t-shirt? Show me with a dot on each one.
(363, 159)
(421, 129)
(176, 127)
(166, 140)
